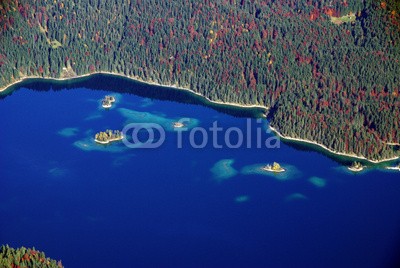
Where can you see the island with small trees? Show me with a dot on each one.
(178, 125)
(107, 102)
(274, 168)
(356, 167)
(108, 136)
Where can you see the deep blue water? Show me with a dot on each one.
(168, 207)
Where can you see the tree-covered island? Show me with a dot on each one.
(275, 167)
(356, 167)
(108, 136)
(107, 101)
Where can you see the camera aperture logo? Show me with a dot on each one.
(150, 142)
(153, 135)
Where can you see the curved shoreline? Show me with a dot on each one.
(393, 143)
(361, 157)
(138, 79)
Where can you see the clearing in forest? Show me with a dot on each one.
(344, 19)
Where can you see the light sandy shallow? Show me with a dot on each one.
(317, 181)
(223, 170)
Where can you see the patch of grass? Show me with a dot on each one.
(42, 30)
(344, 19)
(55, 44)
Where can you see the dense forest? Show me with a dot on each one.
(25, 257)
(328, 70)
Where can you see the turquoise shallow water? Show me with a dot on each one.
(100, 206)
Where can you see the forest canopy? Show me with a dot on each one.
(25, 257)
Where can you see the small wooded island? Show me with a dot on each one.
(108, 136)
(178, 125)
(274, 168)
(356, 167)
(107, 102)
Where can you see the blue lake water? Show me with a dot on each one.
(107, 206)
